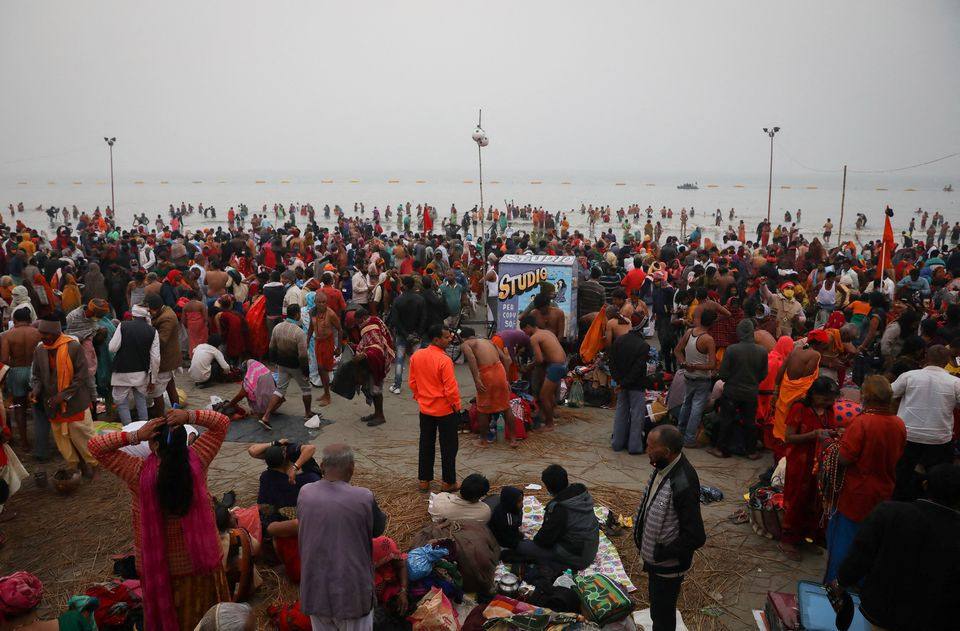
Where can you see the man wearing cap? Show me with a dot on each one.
(59, 386)
(165, 321)
(785, 308)
(136, 363)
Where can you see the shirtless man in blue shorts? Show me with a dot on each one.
(548, 353)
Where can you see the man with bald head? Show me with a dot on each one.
(926, 398)
(669, 527)
(337, 524)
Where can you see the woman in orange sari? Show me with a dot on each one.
(775, 358)
(70, 297)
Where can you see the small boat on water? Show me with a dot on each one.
(687, 186)
(948, 188)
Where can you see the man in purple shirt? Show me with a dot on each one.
(337, 524)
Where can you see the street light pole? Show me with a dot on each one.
(770, 132)
(113, 202)
(480, 137)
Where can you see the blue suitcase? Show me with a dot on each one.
(817, 614)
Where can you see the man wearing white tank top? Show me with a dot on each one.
(826, 299)
(696, 353)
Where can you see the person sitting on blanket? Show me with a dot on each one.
(570, 534)
(507, 516)
(464, 505)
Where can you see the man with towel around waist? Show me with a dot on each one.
(59, 386)
(16, 350)
(486, 363)
(797, 372)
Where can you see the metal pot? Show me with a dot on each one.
(509, 585)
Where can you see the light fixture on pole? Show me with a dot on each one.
(113, 202)
(770, 132)
(480, 137)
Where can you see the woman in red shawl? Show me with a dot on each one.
(232, 328)
(812, 420)
(374, 354)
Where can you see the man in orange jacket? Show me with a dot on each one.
(435, 390)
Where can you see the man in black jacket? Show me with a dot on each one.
(743, 367)
(907, 555)
(436, 308)
(668, 527)
(628, 366)
(408, 316)
(570, 534)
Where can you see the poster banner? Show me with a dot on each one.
(520, 278)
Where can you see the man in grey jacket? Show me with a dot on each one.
(668, 527)
(743, 367)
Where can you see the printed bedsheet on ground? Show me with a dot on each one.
(608, 560)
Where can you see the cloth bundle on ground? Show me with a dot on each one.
(476, 553)
(121, 604)
(20, 593)
(506, 614)
(289, 617)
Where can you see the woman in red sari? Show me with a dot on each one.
(374, 354)
(231, 326)
(811, 420)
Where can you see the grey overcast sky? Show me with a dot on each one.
(586, 85)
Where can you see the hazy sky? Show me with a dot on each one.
(565, 86)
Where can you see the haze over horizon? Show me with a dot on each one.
(619, 86)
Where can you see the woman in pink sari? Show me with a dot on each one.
(374, 354)
(175, 535)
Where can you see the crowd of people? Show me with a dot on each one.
(758, 337)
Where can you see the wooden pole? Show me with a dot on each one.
(843, 198)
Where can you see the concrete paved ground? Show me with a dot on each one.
(582, 447)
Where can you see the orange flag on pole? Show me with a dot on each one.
(886, 247)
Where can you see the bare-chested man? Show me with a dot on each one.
(488, 365)
(323, 323)
(153, 285)
(16, 350)
(796, 373)
(617, 325)
(548, 353)
(216, 280)
(549, 317)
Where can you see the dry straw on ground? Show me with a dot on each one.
(68, 541)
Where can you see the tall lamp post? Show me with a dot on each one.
(770, 132)
(480, 137)
(113, 203)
